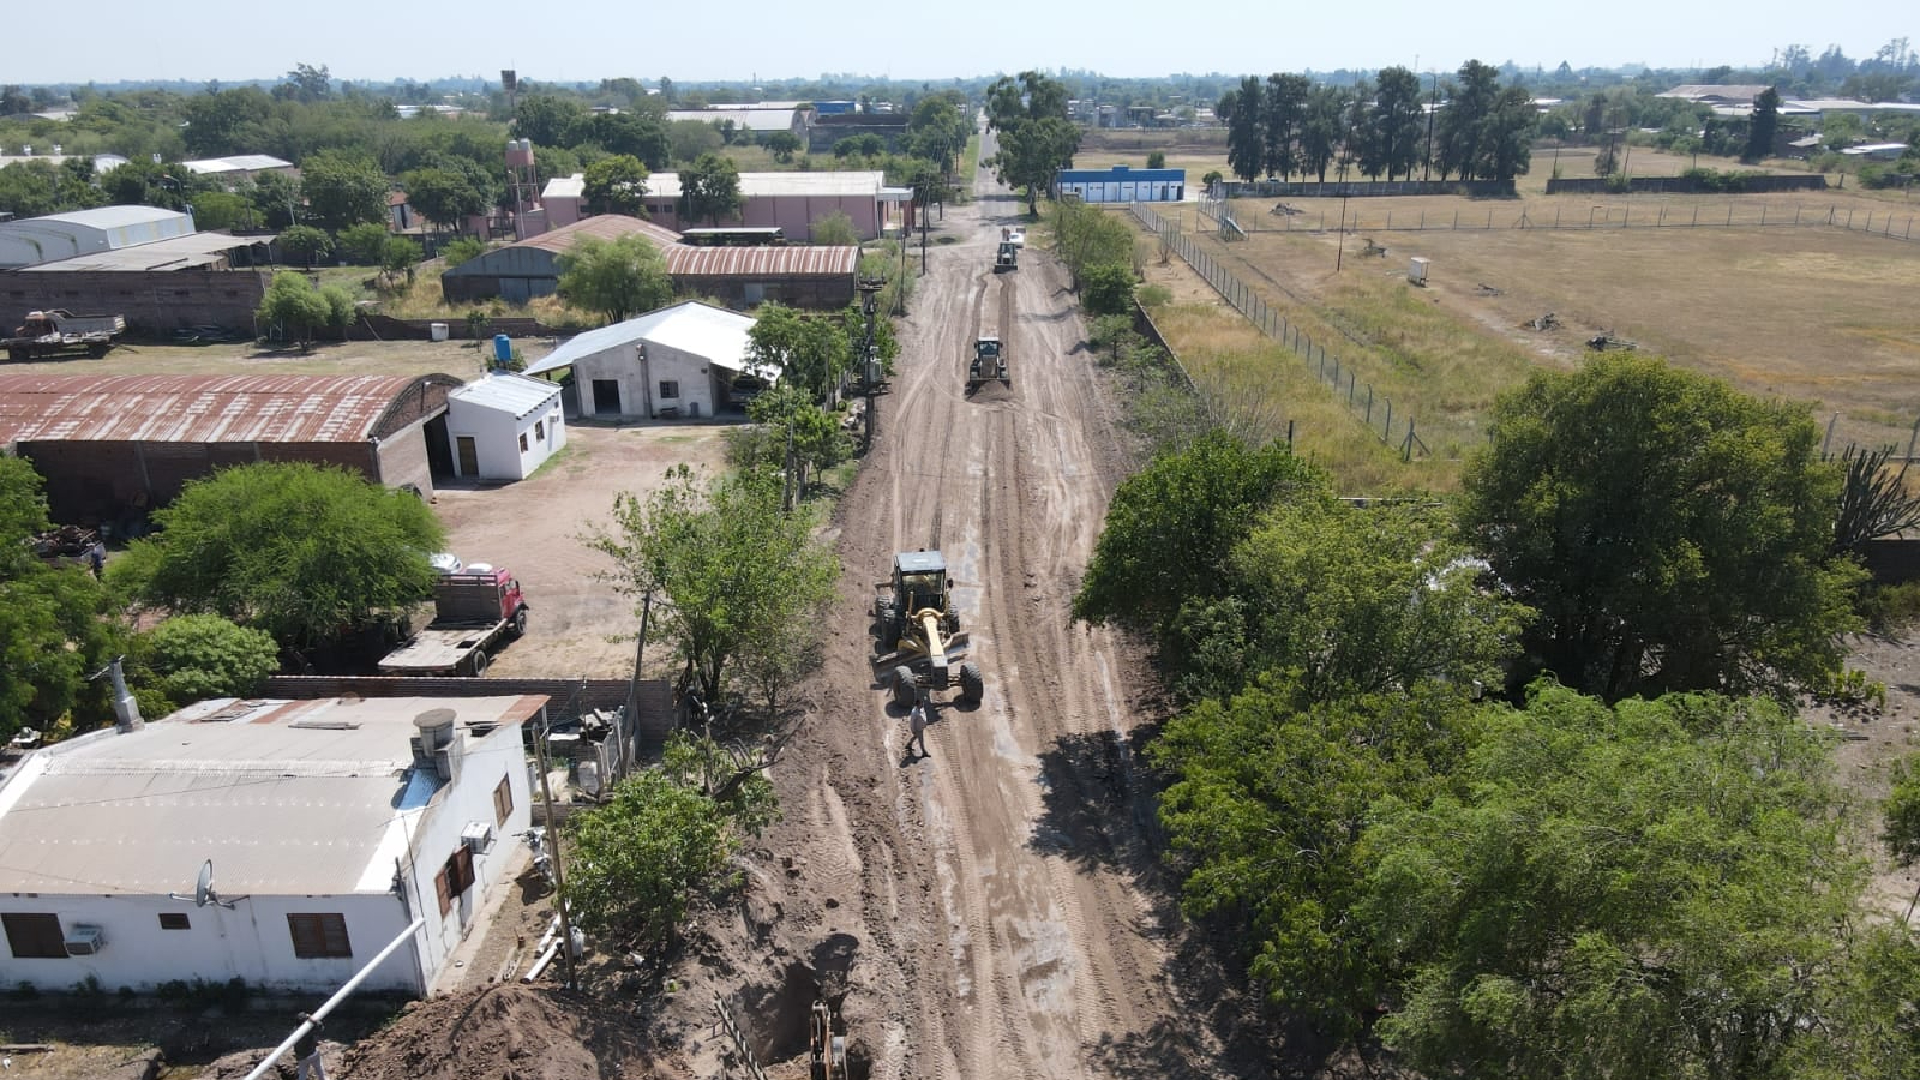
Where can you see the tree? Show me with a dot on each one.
(307, 84)
(783, 145)
(399, 255)
(1246, 143)
(1672, 533)
(794, 422)
(549, 120)
(1171, 527)
(362, 244)
(1156, 160)
(939, 128)
(710, 189)
(617, 185)
(836, 230)
(443, 196)
(274, 197)
(865, 145)
(1397, 124)
(1323, 130)
(1659, 889)
(810, 352)
(1766, 121)
(1269, 795)
(615, 279)
(661, 839)
(294, 306)
(196, 657)
(1036, 138)
(343, 189)
(1345, 601)
(693, 139)
(1107, 289)
(462, 250)
(304, 552)
(637, 135)
(220, 211)
(1084, 236)
(1283, 106)
(730, 564)
(55, 622)
(1901, 831)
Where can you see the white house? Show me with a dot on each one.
(503, 426)
(679, 361)
(330, 826)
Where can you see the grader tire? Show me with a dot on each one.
(884, 617)
(905, 693)
(950, 622)
(972, 683)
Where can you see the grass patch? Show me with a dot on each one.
(564, 454)
(1257, 386)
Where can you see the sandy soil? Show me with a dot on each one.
(993, 905)
(580, 625)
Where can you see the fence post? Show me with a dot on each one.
(1369, 404)
(1763, 215)
(1387, 431)
(1696, 218)
(1351, 378)
(1406, 451)
(1289, 436)
(1489, 219)
(1729, 213)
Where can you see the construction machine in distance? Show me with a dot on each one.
(920, 642)
(1007, 257)
(989, 364)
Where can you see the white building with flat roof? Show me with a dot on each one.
(330, 825)
(504, 426)
(679, 361)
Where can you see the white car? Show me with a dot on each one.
(1015, 235)
(446, 562)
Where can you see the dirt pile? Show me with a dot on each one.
(502, 1033)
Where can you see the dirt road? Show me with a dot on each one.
(989, 886)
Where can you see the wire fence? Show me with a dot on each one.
(1396, 429)
(1892, 224)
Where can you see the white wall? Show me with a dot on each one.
(251, 941)
(483, 763)
(496, 437)
(662, 364)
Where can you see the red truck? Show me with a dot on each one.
(475, 611)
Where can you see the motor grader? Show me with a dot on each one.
(920, 644)
(989, 364)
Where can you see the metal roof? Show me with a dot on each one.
(604, 226)
(1724, 91)
(570, 187)
(111, 217)
(235, 163)
(287, 797)
(1118, 172)
(666, 185)
(754, 119)
(761, 262)
(690, 327)
(506, 392)
(173, 253)
(198, 408)
(919, 562)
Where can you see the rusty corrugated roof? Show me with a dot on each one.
(761, 262)
(196, 408)
(604, 226)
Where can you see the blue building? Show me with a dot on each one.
(1121, 184)
(834, 108)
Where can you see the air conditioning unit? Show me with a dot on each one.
(84, 940)
(478, 837)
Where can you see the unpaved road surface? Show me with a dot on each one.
(990, 888)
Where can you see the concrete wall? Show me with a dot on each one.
(154, 302)
(402, 458)
(483, 764)
(251, 941)
(639, 382)
(496, 437)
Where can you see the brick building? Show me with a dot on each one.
(113, 447)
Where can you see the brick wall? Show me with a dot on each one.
(402, 459)
(91, 482)
(153, 301)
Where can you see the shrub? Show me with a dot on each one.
(462, 250)
(1153, 296)
(1107, 289)
(362, 243)
(207, 656)
(1156, 160)
(1618, 184)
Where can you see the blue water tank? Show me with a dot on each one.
(502, 349)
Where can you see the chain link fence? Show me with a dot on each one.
(1396, 429)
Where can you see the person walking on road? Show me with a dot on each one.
(917, 723)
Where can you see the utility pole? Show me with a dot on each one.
(1433, 107)
(553, 837)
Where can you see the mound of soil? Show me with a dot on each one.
(502, 1033)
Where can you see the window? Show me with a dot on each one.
(35, 937)
(523, 442)
(174, 920)
(669, 388)
(503, 801)
(454, 878)
(320, 937)
(539, 431)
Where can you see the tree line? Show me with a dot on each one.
(1472, 127)
(1513, 783)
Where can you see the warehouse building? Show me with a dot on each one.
(680, 361)
(1121, 184)
(111, 448)
(792, 202)
(283, 843)
(52, 237)
(741, 277)
(520, 272)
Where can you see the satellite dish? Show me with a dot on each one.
(203, 893)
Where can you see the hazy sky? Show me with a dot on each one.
(592, 39)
